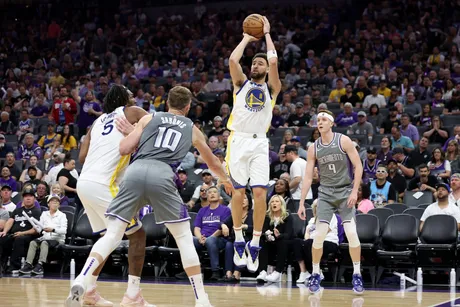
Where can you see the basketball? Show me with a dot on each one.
(254, 25)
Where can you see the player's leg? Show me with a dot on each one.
(349, 225)
(324, 215)
(136, 256)
(259, 173)
(95, 205)
(238, 170)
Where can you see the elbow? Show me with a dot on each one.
(124, 151)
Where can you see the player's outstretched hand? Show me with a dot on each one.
(124, 126)
(228, 186)
(301, 212)
(250, 37)
(352, 199)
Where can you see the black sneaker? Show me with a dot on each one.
(38, 270)
(181, 276)
(215, 276)
(26, 269)
(12, 270)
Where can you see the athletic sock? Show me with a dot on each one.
(133, 286)
(256, 238)
(91, 282)
(197, 285)
(357, 267)
(238, 234)
(87, 271)
(316, 268)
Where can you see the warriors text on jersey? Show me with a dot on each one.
(334, 166)
(252, 109)
(104, 164)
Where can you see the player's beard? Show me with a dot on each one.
(258, 76)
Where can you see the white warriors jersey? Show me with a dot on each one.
(252, 109)
(104, 164)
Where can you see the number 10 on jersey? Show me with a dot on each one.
(167, 138)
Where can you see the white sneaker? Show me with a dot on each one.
(262, 276)
(203, 302)
(274, 277)
(75, 298)
(303, 277)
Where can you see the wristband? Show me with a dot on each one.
(271, 54)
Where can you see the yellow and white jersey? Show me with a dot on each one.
(104, 164)
(252, 109)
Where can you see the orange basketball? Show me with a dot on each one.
(254, 25)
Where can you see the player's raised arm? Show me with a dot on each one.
(273, 76)
(210, 159)
(307, 180)
(129, 144)
(236, 72)
(85, 147)
(353, 155)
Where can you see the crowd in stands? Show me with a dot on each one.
(389, 71)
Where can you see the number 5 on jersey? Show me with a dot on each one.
(108, 127)
(167, 138)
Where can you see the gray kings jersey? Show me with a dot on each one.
(166, 138)
(334, 166)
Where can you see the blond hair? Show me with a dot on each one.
(284, 213)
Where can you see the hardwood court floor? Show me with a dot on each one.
(28, 292)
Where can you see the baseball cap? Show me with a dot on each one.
(32, 167)
(53, 196)
(391, 161)
(362, 113)
(443, 185)
(2, 136)
(7, 186)
(372, 150)
(181, 170)
(28, 191)
(397, 150)
(218, 118)
(218, 152)
(206, 172)
(299, 105)
(394, 88)
(296, 139)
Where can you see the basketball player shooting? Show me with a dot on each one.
(162, 141)
(247, 149)
(338, 192)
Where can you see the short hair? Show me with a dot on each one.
(179, 97)
(260, 55)
(365, 191)
(290, 148)
(117, 96)
(423, 165)
(210, 188)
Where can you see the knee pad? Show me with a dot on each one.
(350, 232)
(321, 232)
(184, 240)
(112, 238)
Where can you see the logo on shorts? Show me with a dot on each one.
(255, 100)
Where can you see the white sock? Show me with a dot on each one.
(238, 234)
(357, 267)
(91, 282)
(256, 238)
(133, 286)
(316, 268)
(197, 285)
(87, 271)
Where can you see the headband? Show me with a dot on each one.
(324, 114)
(456, 176)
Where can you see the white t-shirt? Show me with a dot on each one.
(10, 206)
(298, 169)
(332, 236)
(434, 209)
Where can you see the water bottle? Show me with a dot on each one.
(72, 267)
(419, 277)
(289, 273)
(453, 278)
(419, 294)
(402, 281)
(452, 294)
(23, 261)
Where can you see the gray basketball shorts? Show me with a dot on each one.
(149, 182)
(334, 200)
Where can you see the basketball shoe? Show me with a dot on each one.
(137, 301)
(253, 257)
(93, 298)
(239, 257)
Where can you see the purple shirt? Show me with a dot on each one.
(272, 156)
(11, 182)
(344, 120)
(411, 132)
(25, 153)
(384, 157)
(85, 119)
(209, 220)
(277, 121)
(39, 111)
